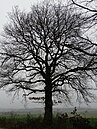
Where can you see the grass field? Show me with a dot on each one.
(82, 119)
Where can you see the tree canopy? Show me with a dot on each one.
(46, 50)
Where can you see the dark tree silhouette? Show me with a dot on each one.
(45, 51)
(89, 8)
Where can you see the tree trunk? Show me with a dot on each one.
(48, 104)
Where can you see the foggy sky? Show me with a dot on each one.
(6, 100)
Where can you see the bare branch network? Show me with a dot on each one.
(45, 50)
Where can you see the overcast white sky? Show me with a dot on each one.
(5, 7)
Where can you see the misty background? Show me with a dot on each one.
(7, 100)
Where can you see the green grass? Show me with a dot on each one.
(20, 121)
(30, 121)
(93, 122)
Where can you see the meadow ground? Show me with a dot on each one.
(81, 119)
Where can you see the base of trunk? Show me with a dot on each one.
(48, 105)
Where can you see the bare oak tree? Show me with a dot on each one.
(45, 51)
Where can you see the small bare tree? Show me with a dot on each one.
(45, 51)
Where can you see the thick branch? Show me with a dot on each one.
(84, 7)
